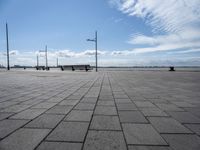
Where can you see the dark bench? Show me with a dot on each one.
(42, 68)
(171, 68)
(76, 67)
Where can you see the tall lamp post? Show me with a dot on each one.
(45, 56)
(37, 60)
(94, 40)
(8, 60)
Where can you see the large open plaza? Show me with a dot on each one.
(108, 110)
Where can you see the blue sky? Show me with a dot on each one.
(130, 32)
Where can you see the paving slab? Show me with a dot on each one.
(149, 148)
(126, 106)
(5, 115)
(153, 112)
(44, 105)
(105, 110)
(142, 134)
(15, 108)
(78, 115)
(106, 103)
(28, 114)
(7, 126)
(89, 100)
(69, 131)
(167, 125)
(59, 146)
(69, 102)
(183, 141)
(184, 117)
(104, 140)
(23, 139)
(169, 107)
(144, 104)
(45, 121)
(123, 100)
(58, 109)
(85, 106)
(132, 117)
(105, 123)
(194, 127)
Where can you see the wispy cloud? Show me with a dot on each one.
(167, 15)
(178, 21)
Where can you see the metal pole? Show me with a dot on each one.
(8, 60)
(96, 49)
(46, 57)
(37, 60)
(57, 61)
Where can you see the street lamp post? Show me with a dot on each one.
(37, 60)
(8, 60)
(95, 40)
(57, 61)
(45, 56)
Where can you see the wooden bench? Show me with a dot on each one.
(76, 67)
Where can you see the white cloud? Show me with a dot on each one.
(179, 19)
(165, 15)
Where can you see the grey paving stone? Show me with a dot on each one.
(194, 127)
(153, 112)
(105, 123)
(58, 109)
(59, 146)
(45, 121)
(167, 125)
(149, 148)
(183, 104)
(7, 104)
(105, 110)
(143, 134)
(106, 103)
(89, 100)
(85, 106)
(28, 114)
(69, 102)
(169, 107)
(23, 139)
(123, 101)
(132, 117)
(104, 140)
(118, 96)
(15, 108)
(78, 115)
(183, 141)
(69, 131)
(194, 111)
(126, 106)
(44, 105)
(5, 115)
(144, 104)
(184, 117)
(7, 126)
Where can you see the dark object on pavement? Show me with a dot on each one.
(76, 67)
(171, 68)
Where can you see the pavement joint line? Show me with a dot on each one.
(117, 113)
(65, 114)
(101, 78)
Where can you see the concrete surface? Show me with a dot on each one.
(109, 110)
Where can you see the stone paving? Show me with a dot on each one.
(109, 110)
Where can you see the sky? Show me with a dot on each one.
(130, 32)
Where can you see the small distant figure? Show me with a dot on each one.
(171, 68)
